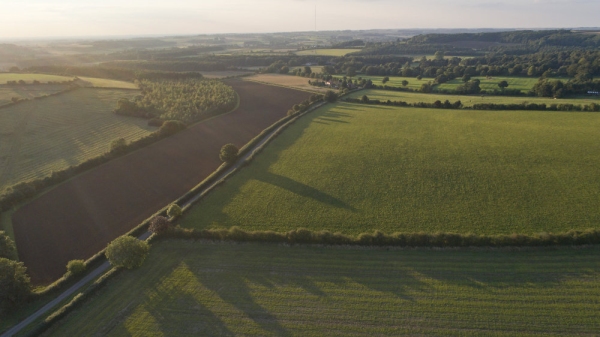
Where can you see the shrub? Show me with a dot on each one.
(229, 153)
(159, 224)
(15, 285)
(127, 252)
(170, 128)
(330, 96)
(8, 250)
(118, 145)
(75, 267)
(174, 211)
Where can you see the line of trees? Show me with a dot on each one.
(480, 106)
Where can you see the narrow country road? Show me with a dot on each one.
(105, 266)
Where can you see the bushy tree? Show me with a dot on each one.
(174, 211)
(171, 127)
(330, 96)
(118, 145)
(159, 224)
(15, 285)
(127, 251)
(75, 267)
(229, 153)
(8, 249)
(503, 84)
(404, 83)
(365, 99)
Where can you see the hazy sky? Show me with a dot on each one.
(46, 18)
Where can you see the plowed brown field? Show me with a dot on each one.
(78, 218)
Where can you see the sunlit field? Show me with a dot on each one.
(353, 168)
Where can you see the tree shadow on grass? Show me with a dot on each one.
(236, 292)
(302, 190)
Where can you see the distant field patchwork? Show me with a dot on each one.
(41, 136)
(191, 288)
(354, 168)
(45, 78)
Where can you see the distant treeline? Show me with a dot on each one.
(480, 106)
(513, 42)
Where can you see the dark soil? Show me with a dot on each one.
(80, 217)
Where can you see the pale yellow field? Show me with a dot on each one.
(290, 81)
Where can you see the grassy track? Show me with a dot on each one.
(413, 97)
(327, 52)
(40, 136)
(191, 288)
(28, 91)
(521, 83)
(353, 168)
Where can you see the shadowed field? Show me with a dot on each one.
(193, 288)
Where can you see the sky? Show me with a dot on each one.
(80, 18)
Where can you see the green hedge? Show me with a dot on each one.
(377, 238)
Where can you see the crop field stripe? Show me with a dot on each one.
(59, 131)
(110, 200)
(416, 170)
(189, 287)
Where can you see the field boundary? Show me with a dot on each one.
(141, 230)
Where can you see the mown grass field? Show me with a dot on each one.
(107, 83)
(37, 137)
(27, 91)
(193, 288)
(415, 97)
(354, 168)
(521, 83)
(327, 52)
(395, 81)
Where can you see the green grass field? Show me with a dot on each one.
(193, 288)
(521, 83)
(37, 137)
(354, 168)
(395, 81)
(28, 91)
(327, 52)
(414, 97)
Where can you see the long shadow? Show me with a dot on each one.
(332, 120)
(302, 189)
(237, 293)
